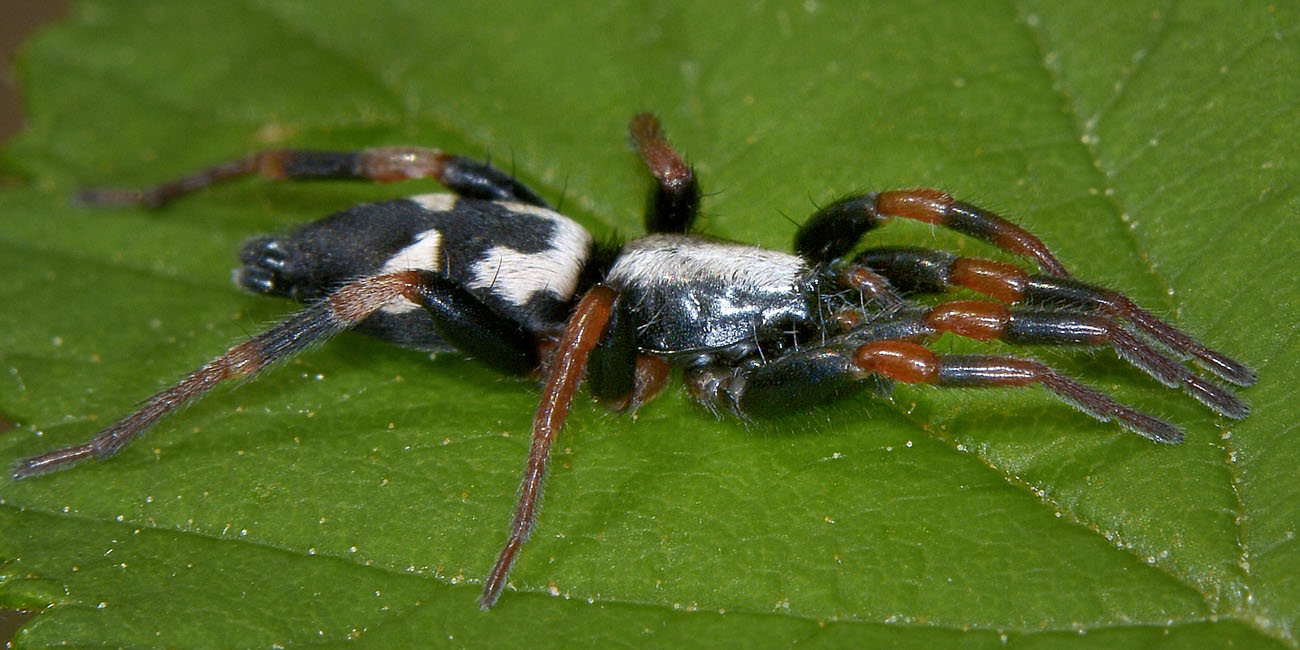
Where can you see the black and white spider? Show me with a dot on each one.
(492, 271)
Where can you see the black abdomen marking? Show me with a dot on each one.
(522, 261)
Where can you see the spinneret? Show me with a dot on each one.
(491, 271)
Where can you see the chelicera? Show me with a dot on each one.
(492, 271)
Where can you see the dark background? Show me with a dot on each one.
(18, 18)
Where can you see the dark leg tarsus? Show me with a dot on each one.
(159, 195)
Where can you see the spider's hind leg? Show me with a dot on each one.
(461, 320)
(341, 310)
(464, 176)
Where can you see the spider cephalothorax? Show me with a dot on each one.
(492, 271)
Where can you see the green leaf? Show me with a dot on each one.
(361, 492)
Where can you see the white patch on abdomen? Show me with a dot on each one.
(437, 202)
(424, 254)
(517, 277)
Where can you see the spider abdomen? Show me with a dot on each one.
(522, 261)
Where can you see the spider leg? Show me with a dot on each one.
(871, 285)
(835, 229)
(912, 363)
(581, 335)
(344, 308)
(675, 199)
(651, 378)
(912, 270)
(618, 375)
(464, 176)
(986, 321)
(458, 316)
(469, 325)
(810, 376)
(787, 384)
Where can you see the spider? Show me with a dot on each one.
(492, 271)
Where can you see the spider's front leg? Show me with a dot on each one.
(987, 321)
(834, 230)
(913, 363)
(918, 270)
